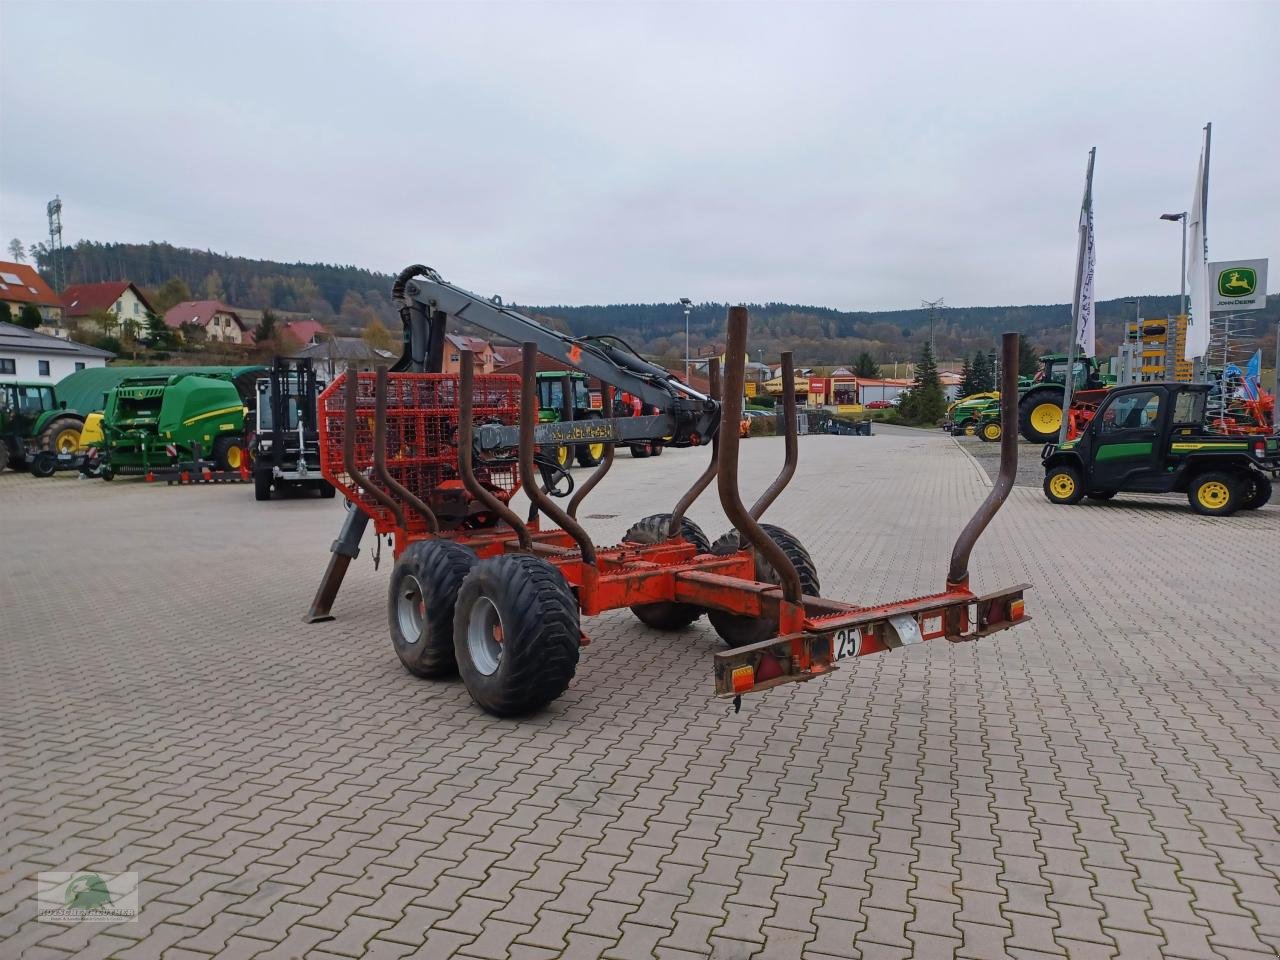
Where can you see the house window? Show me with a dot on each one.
(8, 365)
(43, 366)
(79, 365)
(454, 358)
(137, 308)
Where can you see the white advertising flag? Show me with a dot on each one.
(1084, 305)
(1198, 268)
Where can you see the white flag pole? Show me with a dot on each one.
(1083, 266)
(1197, 268)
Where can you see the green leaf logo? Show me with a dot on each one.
(87, 891)
(1237, 282)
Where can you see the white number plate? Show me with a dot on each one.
(846, 642)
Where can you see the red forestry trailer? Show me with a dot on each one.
(434, 461)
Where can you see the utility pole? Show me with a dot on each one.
(933, 306)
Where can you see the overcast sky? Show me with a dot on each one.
(854, 155)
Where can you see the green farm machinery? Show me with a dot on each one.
(177, 426)
(32, 421)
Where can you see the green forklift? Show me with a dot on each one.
(1152, 438)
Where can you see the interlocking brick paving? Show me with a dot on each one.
(1101, 782)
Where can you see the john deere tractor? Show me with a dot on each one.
(32, 420)
(564, 395)
(1040, 403)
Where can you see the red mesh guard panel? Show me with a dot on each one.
(422, 436)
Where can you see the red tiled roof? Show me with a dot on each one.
(476, 345)
(82, 299)
(304, 330)
(198, 311)
(20, 283)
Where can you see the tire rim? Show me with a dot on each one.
(1046, 417)
(562, 456)
(595, 451)
(66, 441)
(411, 609)
(234, 457)
(992, 431)
(484, 636)
(1062, 486)
(1213, 495)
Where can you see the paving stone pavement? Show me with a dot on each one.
(1101, 782)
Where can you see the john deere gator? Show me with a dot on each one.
(152, 421)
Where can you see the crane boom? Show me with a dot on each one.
(427, 301)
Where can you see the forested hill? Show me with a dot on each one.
(347, 298)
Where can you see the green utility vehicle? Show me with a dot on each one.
(155, 421)
(1151, 438)
(32, 420)
(563, 395)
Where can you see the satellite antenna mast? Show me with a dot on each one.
(54, 209)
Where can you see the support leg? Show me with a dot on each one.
(342, 552)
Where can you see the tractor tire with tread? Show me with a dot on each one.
(516, 634)
(4, 456)
(420, 605)
(738, 630)
(1216, 494)
(990, 432)
(640, 450)
(228, 453)
(327, 490)
(62, 435)
(1034, 421)
(666, 614)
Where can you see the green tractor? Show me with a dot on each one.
(1040, 402)
(32, 420)
(152, 422)
(563, 395)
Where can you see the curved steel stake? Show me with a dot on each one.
(789, 432)
(709, 474)
(380, 454)
(606, 400)
(466, 447)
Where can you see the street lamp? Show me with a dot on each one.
(1182, 272)
(688, 305)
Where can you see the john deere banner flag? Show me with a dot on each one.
(1197, 262)
(1238, 285)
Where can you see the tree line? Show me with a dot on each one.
(349, 299)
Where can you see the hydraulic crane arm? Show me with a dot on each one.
(427, 301)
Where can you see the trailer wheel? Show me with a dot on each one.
(515, 634)
(1215, 494)
(640, 450)
(261, 485)
(327, 491)
(43, 464)
(228, 453)
(666, 614)
(107, 473)
(738, 630)
(420, 605)
(1258, 495)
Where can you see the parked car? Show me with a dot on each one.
(881, 404)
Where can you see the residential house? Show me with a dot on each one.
(454, 344)
(20, 285)
(220, 322)
(26, 355)
(334, 355)
(86, 304)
